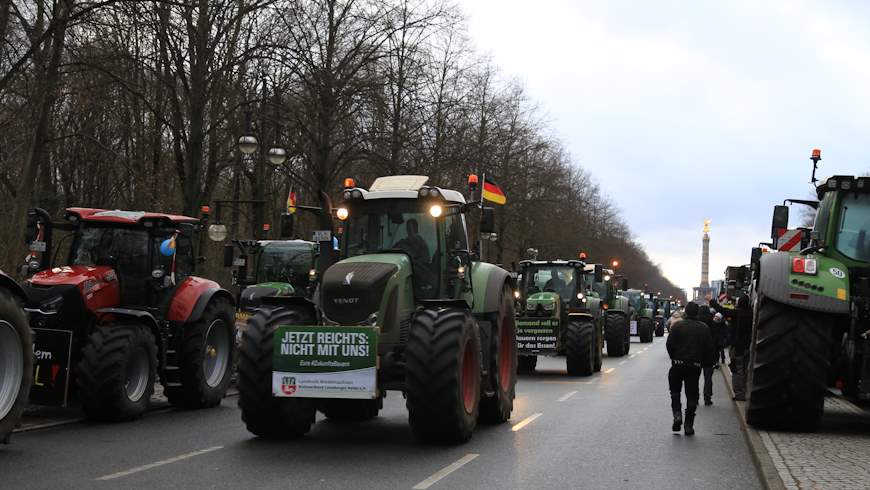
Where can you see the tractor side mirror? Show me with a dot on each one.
(31, 231)
(228, 254)
(287, 225)
(599, 273)
(780, 220)
(487, 220)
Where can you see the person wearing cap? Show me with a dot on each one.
(690, 347)
(739, 319)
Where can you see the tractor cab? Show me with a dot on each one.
(549, 287)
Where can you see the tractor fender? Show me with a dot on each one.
(193, 296)
(140, 316)
(13, 287)
(489, 280)
(775, 283)
(581, 316)
(299, 301)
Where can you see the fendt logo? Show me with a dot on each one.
(345, 301)
(288, 385)
(348, 278)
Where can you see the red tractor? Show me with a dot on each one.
(125, 309)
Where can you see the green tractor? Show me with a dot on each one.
(615, 313)
(278, 268)
(559, 316)
(16, 356)
(812, 311)
(641, 314)
(408, 308)
(662, 310)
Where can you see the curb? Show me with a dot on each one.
(767, 471)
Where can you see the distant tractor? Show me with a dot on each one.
(811, 323)
(661, 312)
(615, 312)
(123, 309)
(558, 316)
(408, 308)
(16, 356)
(641, 316)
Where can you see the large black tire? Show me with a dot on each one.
(117, 371)
(208, 354)
(348, 411)
(265, 415)
(16, 364)
(645, 330)
(614, 334)
(660, 328)
(496, 409)
(442, 377)
(599, 348)
(526, 364)
(790, 362)
(580, 348)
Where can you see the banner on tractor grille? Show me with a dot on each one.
(325, 362)
(52, 350)
(536, 334)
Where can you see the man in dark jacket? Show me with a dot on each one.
(705, 314)
(740, 323)
(690, 346)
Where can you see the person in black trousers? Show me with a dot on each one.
(740, 333)
(705, 315)
(690, 346)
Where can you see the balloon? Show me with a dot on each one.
(167, 248)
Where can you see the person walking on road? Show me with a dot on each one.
(689, 346)
(705, 314)
(740, 333)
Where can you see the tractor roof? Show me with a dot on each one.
(405, 187)
(845, 183)
(125, 217)
(286, 243)
(557, 262)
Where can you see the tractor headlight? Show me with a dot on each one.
(530, 306)
(607, 277)
(580, 296)
(436, 211)
(342, 213)
(516, 295)
(52, 305)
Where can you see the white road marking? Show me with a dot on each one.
(428, 482)
(609, 370)
(641, 352)
(149, 466)
(632, 356)
(567, 396)
(622, 362)
(526, 421)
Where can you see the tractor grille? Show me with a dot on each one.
(351, 292)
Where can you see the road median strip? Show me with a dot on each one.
(526, 421)
(443, 472)
(156, 464)
(567, 396)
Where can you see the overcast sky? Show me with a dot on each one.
(686, 110)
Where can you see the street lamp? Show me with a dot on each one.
(615, 264)
(248, 144)
(277, 155)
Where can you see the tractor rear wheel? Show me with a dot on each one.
(117, 372)
(443, 375)
(580, 348)
(789, 368)
(660, 328)
(645, 330)
(497, 408)
(207, 356)
(526, 364)
(266, 415)
(347, 411)
(614, 334)
(16, 364)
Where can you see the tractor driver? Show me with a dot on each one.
(414, 244)
(559, 285)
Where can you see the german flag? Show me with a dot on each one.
(291, 203)
(492, 192)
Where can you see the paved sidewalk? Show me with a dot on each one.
(835, 457)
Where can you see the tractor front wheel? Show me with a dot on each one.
(266, 415)
(117, 372)
(443, 375)
(497, 408)
(16, 364)
(614, 335)
(660, 328)
(645, 330)
(789, 368)
(208, 353)
(580, 348)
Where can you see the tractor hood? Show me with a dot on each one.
(96, 286)
(252, 296)
(542, 303)
(353, 289)
(75, 275)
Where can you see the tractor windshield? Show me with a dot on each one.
(854, 227)
(389, 225)
(285, 262)
(600, 288)
(634, 299)
(551, 278)
(120, 248)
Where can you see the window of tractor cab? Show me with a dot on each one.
(634, 299)
(600, 288)
(285, 262)
(853, 229)
(551, 278)
(391, 224)
(117, 247)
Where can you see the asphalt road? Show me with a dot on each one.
(611, 430)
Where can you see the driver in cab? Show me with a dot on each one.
(559, 285)
(414, 244)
